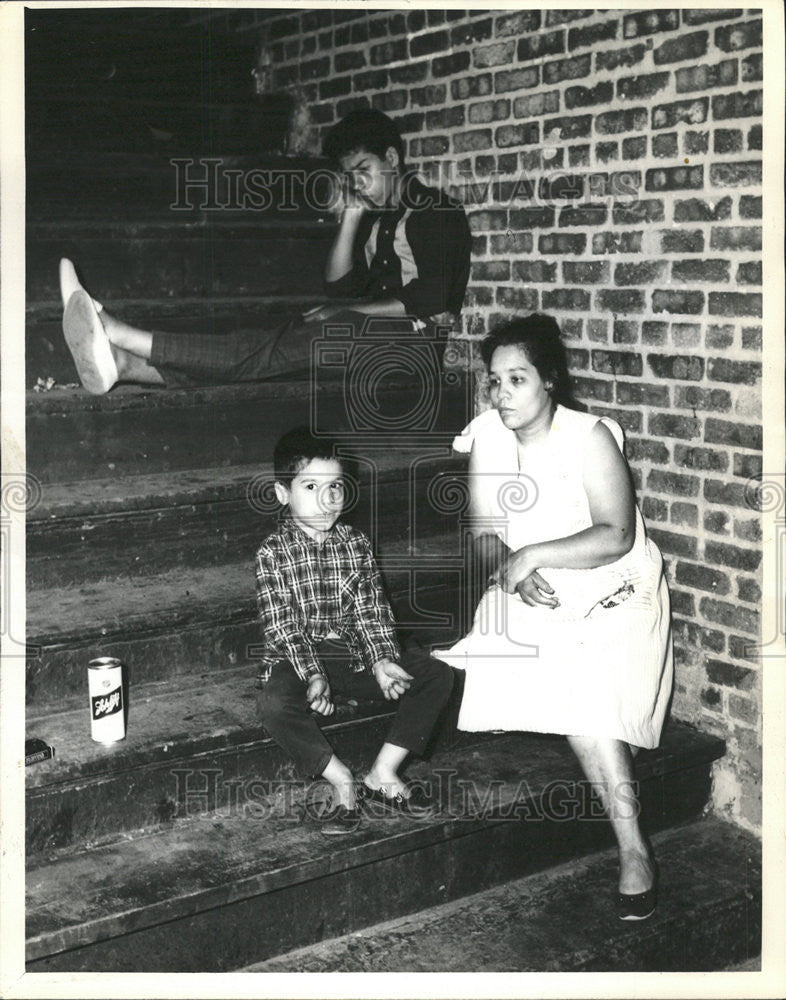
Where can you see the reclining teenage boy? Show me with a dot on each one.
(328, 627)
(401, 252)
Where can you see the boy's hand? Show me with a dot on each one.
(392, 679)
(323, 313)
(349, 206)
(345, 204)
(318, 695)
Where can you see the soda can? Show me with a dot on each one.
(105, 686)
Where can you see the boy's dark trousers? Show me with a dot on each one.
(185, 359)
(282, 707)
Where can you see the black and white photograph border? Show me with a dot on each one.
(167, 184)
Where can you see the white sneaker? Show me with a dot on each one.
(88, 343)
(69, 283)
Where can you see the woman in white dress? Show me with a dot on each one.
(572, 635)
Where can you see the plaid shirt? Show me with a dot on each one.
(305, 590)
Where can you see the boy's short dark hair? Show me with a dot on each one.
(365, 129)
(296, 449)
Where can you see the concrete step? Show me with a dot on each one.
(130, 431)
(561, 919)
(173, 258)
(183, 622)
(161, 186)
(189, 740)
(144, 525)
(138, 431)
(193, 898)
(197, 124)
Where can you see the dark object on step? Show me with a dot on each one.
(37, 750)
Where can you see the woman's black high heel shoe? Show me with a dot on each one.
(638, 905)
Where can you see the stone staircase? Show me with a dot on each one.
(191, 845)
(511, 927)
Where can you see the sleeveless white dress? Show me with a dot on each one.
(601, 663)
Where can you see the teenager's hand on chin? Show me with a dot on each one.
(348, 206)
(318, 696)
(354, 208)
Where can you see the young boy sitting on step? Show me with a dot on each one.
(328, 628)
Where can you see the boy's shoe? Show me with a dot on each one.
(69, 283)
(340, 821)
(89, 344)
(416, 804)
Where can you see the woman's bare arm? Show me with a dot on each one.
(609, 490)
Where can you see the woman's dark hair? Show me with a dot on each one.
(366, 129)
(538, 336)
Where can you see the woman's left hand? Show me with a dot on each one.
(536, 591)
(516, 568)
(518, 575)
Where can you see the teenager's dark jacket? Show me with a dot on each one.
(418, 253)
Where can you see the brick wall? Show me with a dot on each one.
(610, 163)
